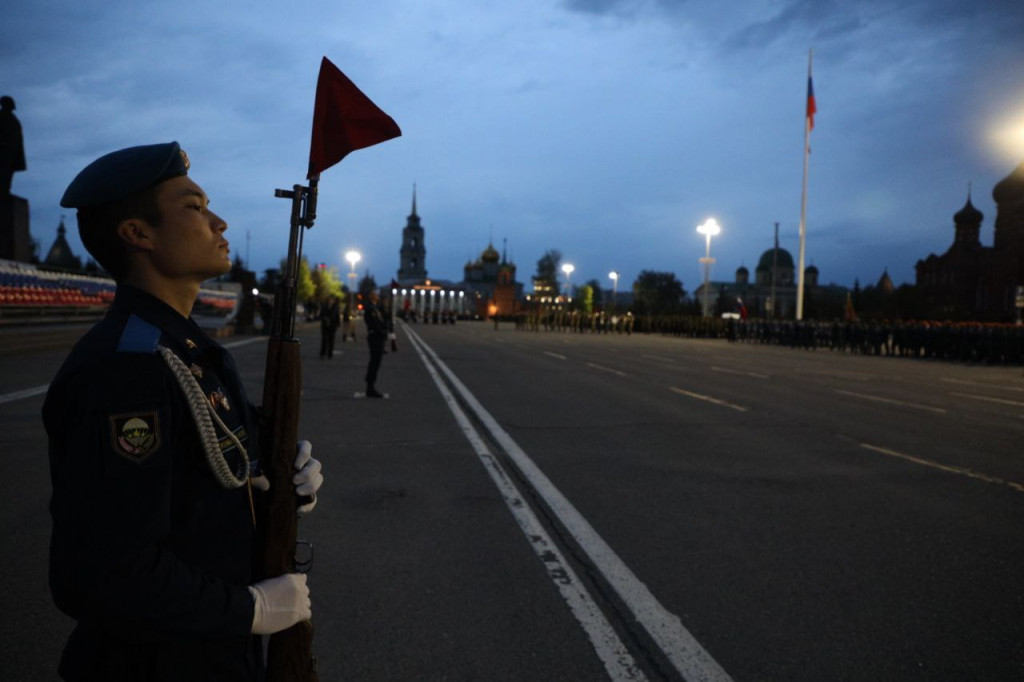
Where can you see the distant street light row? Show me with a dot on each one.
(709, 228)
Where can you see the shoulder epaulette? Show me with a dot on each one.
(139, 336)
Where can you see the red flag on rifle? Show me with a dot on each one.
(344, 120)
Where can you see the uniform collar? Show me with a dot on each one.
(185, 333)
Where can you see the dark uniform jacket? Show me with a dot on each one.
(149, 553)
(376, 325)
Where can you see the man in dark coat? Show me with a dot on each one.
(152, 449)
(330, 320)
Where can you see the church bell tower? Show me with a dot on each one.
(413, 253)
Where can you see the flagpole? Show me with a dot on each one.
(803, 204)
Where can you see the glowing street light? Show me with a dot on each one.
(709, 229)
(568, 268)
(352, 257)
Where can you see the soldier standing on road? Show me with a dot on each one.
(330, 320)
(376, 337)
(152, 449)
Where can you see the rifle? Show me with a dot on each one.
(344, 120)
(290, 652)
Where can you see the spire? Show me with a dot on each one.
(413, 199)
(504, 249)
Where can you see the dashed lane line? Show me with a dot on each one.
(890, 401)
(987, 399)
(606, 369)
(962, 471)
(727, 370)
(708, 399)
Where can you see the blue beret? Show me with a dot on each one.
(125, 172)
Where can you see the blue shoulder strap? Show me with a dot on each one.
(138, 336)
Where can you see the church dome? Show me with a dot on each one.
(742, 270)
(811, 270)
(968, 215)
(1011, 188)
(490, 254)
(784, 260)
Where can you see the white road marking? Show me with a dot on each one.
(1001, 387)
(708, 399)
(618, 662)
(27, 393)
(727, 370)
(606, 369)
(944, 467)
(983, 398)
(39, 390)
(245, 342)
(683, 650)
(555, 355)
(890, 401)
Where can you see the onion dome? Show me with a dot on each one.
(1011, 188)
(968, 215)
(490, 255)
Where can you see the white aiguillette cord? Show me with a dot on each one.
(205, 416)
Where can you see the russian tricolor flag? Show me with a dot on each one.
(812, 107)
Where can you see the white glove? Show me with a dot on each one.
(308, 479)
(280, 603)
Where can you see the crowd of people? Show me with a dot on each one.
(974, 342)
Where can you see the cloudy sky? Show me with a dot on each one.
(606, 129)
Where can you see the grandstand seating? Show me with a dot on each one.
(26, 289)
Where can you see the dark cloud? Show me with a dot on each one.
(617, 7)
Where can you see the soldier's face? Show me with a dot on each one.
(189, 242)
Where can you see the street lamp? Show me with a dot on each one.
(615, 285)
(709, 229)
(568, 268)
(352, 257)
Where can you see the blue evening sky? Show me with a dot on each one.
(606, 129)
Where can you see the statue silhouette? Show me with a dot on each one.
(12, 146)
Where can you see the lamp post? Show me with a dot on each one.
(709, 229)
(615, 286)
(352, 257)
(568, 268)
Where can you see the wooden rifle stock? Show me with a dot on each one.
(290, 652)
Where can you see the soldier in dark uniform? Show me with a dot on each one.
(330, 320)
(152, 449)
(376, 337)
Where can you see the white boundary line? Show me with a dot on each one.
(39, 390)
(27, 393)
(615, 656)
(683, 650)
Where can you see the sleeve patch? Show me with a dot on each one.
(135, 436)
